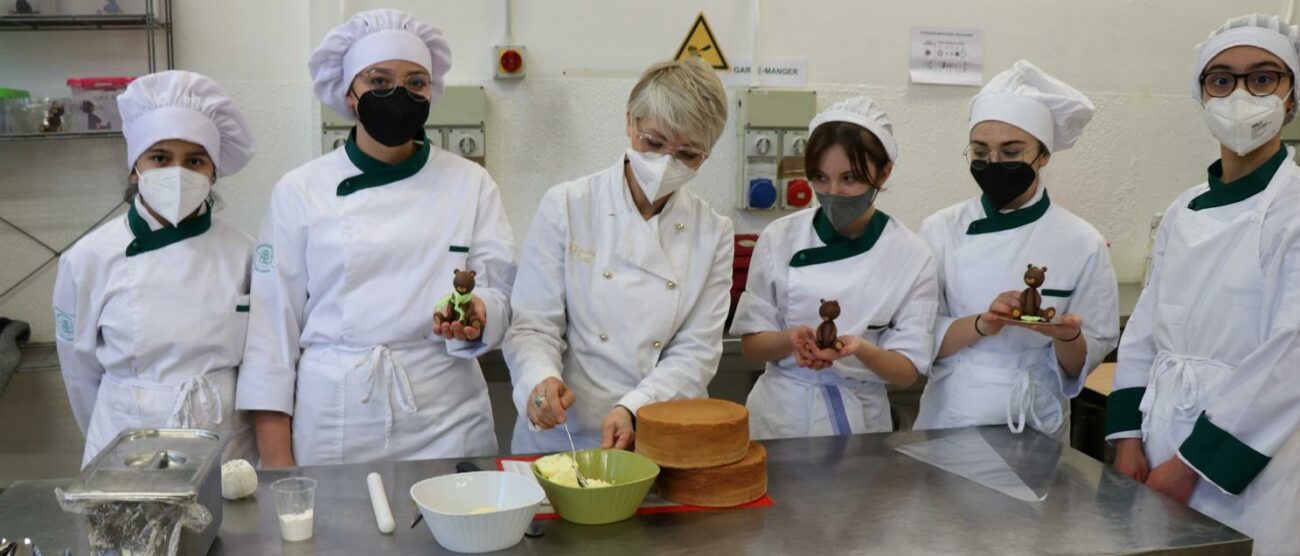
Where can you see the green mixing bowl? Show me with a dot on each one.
(632, 476)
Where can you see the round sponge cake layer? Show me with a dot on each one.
(693, 434)
(718, 487)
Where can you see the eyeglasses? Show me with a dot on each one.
(690, 156)
(1262, 83)
(980, 157)
(383, 82)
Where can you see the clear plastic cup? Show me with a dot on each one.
(295, 502)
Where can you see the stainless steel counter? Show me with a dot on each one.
(833, 495)
(38, 393)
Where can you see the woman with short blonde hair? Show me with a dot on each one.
(624, 278)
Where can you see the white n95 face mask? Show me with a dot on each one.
(174, 192)
(1242, 121)
(659, 175)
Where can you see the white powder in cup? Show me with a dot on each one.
(296, 527)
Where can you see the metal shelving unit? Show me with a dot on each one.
(60, 135)
(149, 22)
(41, 22)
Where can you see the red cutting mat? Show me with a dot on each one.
(763, 502)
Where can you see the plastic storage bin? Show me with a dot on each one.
(103, 7)
(15, 119)
(28, 7)
(94, 103)
(8, 96)
(38, 115)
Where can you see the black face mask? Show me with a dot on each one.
(1001, 184)
(393, 120)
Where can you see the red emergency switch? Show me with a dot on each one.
(798, 193)
(510, 62)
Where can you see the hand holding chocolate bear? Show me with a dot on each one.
(828, 335)
(460, 315)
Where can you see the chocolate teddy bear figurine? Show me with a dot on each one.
(828, 336)
(1031, 302)
(53, 119)
(458, 306)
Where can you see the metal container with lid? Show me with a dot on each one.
(141, 488)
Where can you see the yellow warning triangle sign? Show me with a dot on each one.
(700, 42)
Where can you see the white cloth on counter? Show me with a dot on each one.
(238, 479)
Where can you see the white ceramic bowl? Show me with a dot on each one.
(447, 501)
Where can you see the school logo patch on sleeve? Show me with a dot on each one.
(263, 258)
(63, 325)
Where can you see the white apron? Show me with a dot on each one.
(344, 290)
(1014, 377)
(1002, 379)
(389, 402)
(202, 402)
(153, 339)
(789, 403)
(792, 401)
(991, 388)
(1183, 384)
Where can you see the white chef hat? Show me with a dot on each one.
(1260, 31)
(1030, 99)
(864, 112)
(369, 38)
(187, 106)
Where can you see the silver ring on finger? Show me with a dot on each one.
(538, 400)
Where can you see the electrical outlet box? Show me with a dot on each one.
(1291, 134)
(469, 143)
(457, 123)
(796, 191)
(773, 127)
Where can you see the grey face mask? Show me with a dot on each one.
(844, 210)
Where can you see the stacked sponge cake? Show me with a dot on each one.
(704, 451)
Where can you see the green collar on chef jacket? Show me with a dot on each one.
(148, 240)
(374, 172)
(995, 221)
(837, 246)
(1245, 187)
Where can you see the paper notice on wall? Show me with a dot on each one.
(947, 56)
(772, 72)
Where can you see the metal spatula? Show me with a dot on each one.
(582, 481)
